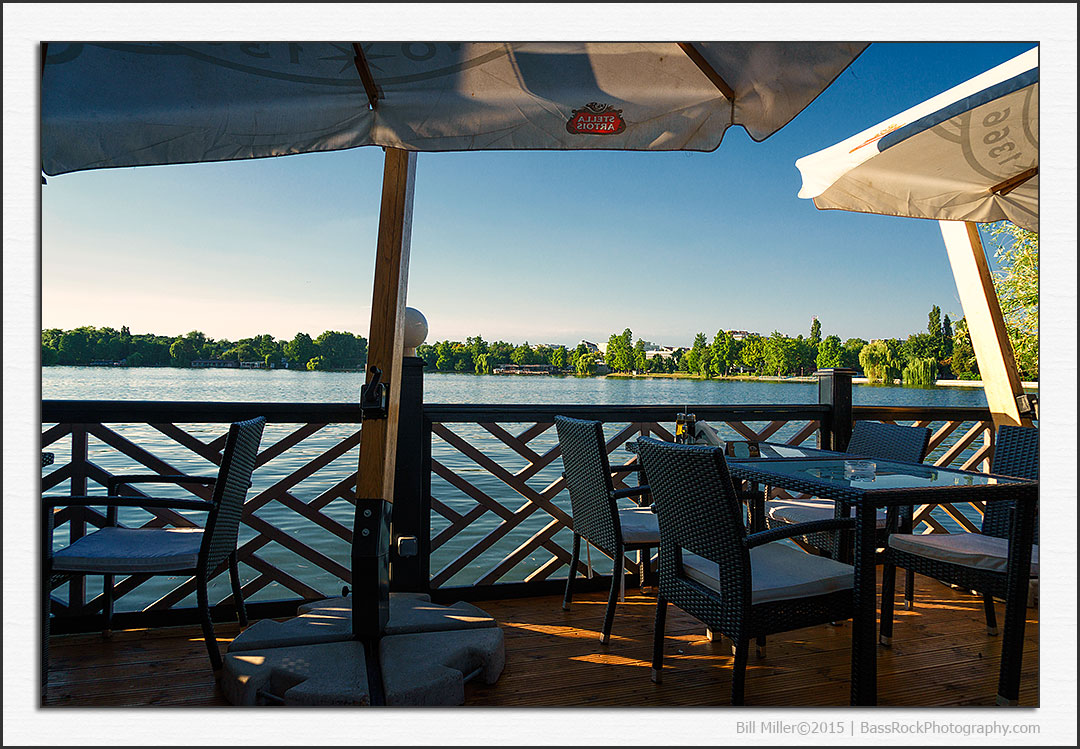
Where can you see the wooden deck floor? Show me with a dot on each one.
(941, 656)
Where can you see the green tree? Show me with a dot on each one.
(852, 348)
(723, 353)
(921, 346)
(696, 359)
(963, 362)
(585, 364)
(752, 353)
(641, 362)
(780, 354)
(182, 352)
(815, 331)
(523, 354)
(341, 350)
(920, 372)
(316, 363)
(1017, 284)
(947, 335)
(880, 362)
(560, 357)
(300, 350)
(830, 353)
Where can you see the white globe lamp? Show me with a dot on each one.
(416, 330)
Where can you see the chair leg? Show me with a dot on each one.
(909, 590)
(46, 628)
(238, 594)
(613, 597)
(761, 646)
(107, 606)
(1012, 650)
(888, 593)
(569, 594)
(658, 638)
(991, 614)
(738, 670)
(207, 624)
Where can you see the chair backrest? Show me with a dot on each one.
(588, 479)
(697, 510)
(230, 491)
(1016, 453)
(874, 439)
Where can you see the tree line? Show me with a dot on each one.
(86, 345)
(729, 354)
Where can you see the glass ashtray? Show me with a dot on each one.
(860, 469)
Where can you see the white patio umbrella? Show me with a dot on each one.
(109, 105)
(113, 105)
(969, 155)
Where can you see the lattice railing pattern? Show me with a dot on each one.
(500, 512)
(295, 535)
(498, 508)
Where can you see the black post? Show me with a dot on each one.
(410, 567)
(834, 390)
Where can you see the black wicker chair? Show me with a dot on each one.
(869, 439)
(594, 506)
(116, 550)
(740, 585)
(979, 562)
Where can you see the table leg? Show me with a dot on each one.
(864, 621)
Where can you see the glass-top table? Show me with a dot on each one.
(867, 487)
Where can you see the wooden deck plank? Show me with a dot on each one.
(941, 655)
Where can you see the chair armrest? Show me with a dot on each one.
(84, 501)
(627, 468)
(797, 529)
(116, 481)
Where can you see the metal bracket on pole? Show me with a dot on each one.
(374, 397)
(1028, 406)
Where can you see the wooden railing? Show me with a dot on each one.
(491, 513)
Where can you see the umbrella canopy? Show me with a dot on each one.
(109, 105)
(969, 154)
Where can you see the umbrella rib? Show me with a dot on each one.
(1004, 188)
(710, 73)
(368, 80)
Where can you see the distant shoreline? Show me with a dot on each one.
(805, 379)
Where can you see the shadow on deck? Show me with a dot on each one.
(941, 656)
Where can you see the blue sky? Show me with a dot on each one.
(544, 247)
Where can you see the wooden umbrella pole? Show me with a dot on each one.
(997, 365)
(378, 447)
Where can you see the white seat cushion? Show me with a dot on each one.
(965, 549)
(780, 572)
(639, 526)
(131, 550)
(804, 511)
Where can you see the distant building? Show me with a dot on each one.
(524, 369)
(589, 346)
(664, 352)
(252, 365)
(739, 335)
(216, 363)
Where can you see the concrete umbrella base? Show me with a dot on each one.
(426, 655)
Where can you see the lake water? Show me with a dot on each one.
(166, 384)
(291, 386)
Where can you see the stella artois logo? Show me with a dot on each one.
(596, 119)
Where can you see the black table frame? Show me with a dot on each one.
(866, 503)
